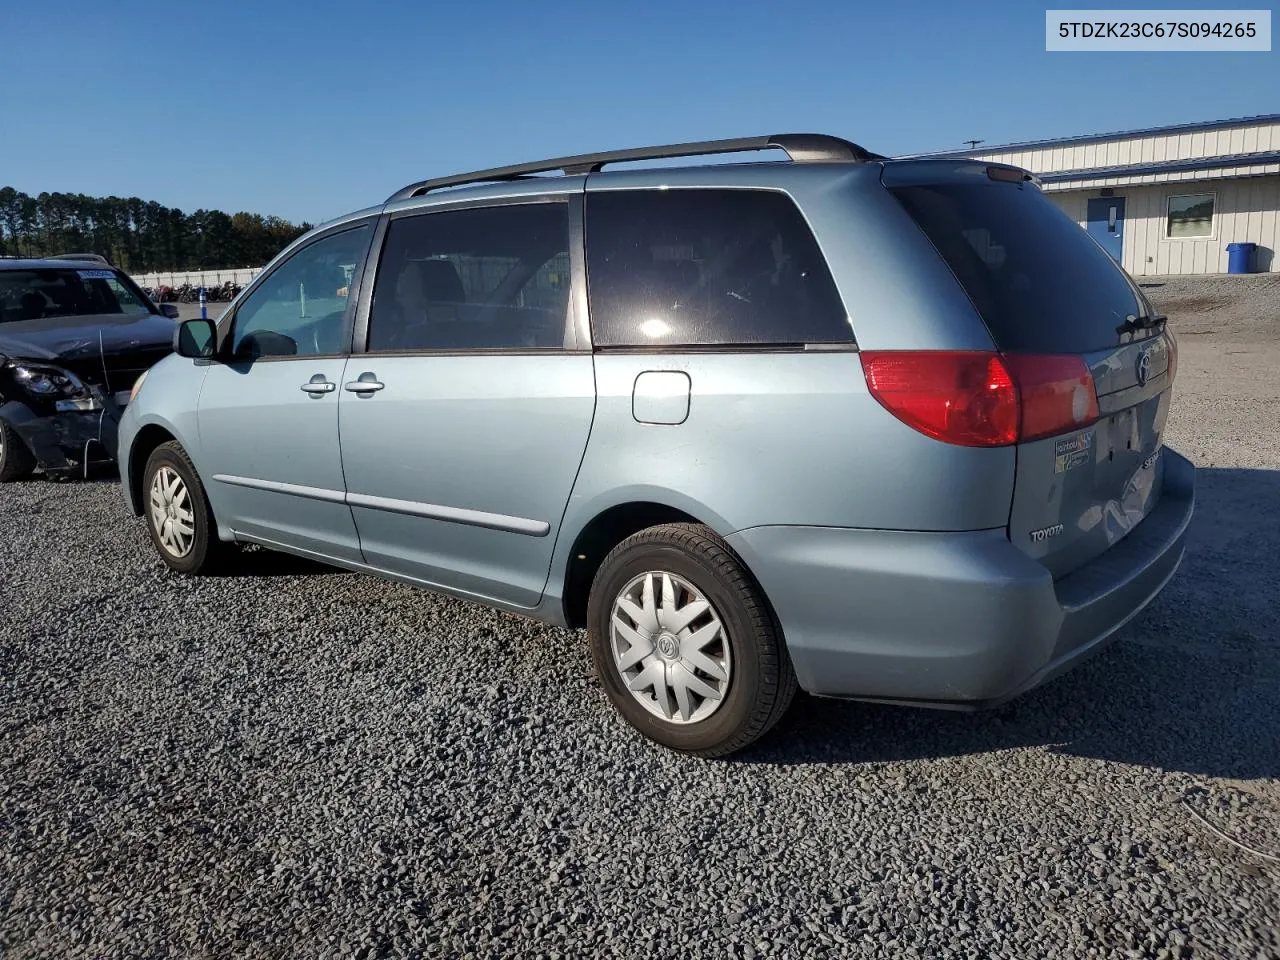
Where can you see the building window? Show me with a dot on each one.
(1191, 216)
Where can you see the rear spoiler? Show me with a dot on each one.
(969, 166)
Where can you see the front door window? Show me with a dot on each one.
(300, 310)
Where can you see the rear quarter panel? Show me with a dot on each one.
(791, 436)
(781, 438)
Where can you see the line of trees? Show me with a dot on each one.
(140, 236)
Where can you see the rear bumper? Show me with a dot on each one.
(959, 620)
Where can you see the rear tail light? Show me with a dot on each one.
(982, 399)
(963, 398)
(1173, 353)
(1057, 394)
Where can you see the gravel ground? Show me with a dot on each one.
(1239, 309)
(293, 762)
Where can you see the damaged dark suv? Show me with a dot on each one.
(75, 335)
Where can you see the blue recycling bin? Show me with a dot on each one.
(1240, 257)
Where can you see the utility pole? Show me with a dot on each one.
(974, 143)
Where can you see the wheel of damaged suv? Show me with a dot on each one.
(178, 514)
(684, 643)
(16, 461)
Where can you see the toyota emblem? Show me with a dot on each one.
(1144, 368)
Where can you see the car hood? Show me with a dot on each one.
(74, 338)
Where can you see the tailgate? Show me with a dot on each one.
(1076, 494)
(1050, 296)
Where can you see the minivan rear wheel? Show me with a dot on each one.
(179, 517)
(684, 643)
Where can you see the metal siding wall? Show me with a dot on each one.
(1149, 246)
(1134, 242)
(1093, 183)
(1073, 204)
(1270, 207)
(1143, 149)
(1247, 210)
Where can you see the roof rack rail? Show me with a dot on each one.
(799, 147)
(85, 257)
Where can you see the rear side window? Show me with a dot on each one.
(1038, 280)
(705, 268)
(476, 279)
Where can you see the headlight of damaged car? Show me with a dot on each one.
(43, 381)
(53, 383)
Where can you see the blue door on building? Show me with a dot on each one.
(1106, 224)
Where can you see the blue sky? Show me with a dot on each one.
(310, 109)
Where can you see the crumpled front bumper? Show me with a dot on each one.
(62, 440)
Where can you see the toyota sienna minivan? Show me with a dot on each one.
(881, 429)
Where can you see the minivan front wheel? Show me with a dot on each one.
(16, 461)
(684, 644)
(178, 514)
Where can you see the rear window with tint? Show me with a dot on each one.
(706, 267)
(1038, 280)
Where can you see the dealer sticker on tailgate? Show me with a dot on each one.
(1070, 452)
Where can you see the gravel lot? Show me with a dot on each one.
(294, 762)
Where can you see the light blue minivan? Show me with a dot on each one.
(882, 429)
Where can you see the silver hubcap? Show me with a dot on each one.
(171, 514)
(670, 647)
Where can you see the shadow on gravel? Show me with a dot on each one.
(259, 562)
(1193, 684)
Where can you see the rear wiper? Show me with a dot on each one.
(1134, 324)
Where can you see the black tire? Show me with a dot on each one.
(761, 681)
(16, 461)
(206, 553)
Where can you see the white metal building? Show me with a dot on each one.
(1165, 200)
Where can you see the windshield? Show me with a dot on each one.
(59, 292)
(1038, 280)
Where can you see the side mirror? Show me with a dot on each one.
(170, 310)
(195, 339)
